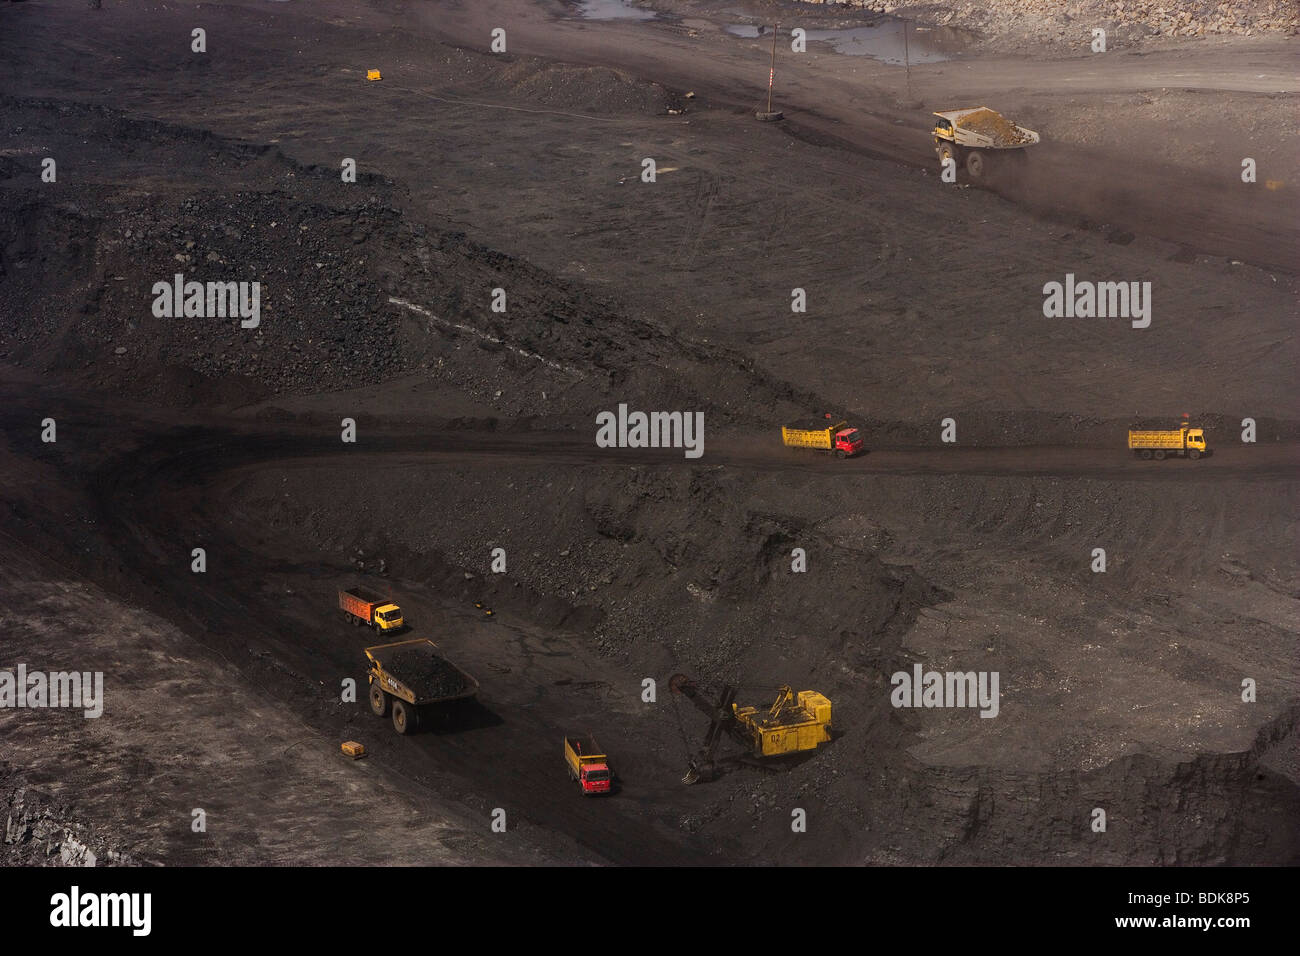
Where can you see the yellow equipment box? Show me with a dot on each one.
(354, 750)
(372, 75)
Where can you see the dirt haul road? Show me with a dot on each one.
(476, 428)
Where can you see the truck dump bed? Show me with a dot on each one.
(417, 673)
(984, 128)
(811, 433)
(584, 749)
(1156, 438)
(366, 596)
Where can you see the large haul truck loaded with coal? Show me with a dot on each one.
(982, 141)
(411, 679)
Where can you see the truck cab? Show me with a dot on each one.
(595, 778)
(849, 441)
(388, 617)
(1196, 439)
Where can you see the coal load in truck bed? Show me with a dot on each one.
(998, 128)
(427, 676)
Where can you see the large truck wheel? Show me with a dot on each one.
(977, 165)
(949, 151)
(1160, 454)
(1194, 454)
(378, 701)
(404, 719)
(1146, 454)
(839, 452)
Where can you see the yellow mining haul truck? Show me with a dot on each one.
(982, 140)
(794, 723)
(412, 678)
(1159, 443)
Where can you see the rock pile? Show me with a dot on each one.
(1071, 21)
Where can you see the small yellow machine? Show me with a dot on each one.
(353, 749)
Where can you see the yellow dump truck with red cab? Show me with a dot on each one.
(823, 435)
(587, 765)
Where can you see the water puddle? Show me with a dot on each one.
(612, 10)
(881, 41)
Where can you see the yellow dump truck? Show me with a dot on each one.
(362, 606)
(1184, 441)
(587, 765)
(795, 722)
(409, 678)
(823, 435)
(981, 140)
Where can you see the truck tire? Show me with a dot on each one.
(1194, 454)
(378, 701)
(1146, 454)
(404, 716)
(1160, 454)
(977, 166)
(839, 452)
(949, 151)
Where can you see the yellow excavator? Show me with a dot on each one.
(796, 722)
